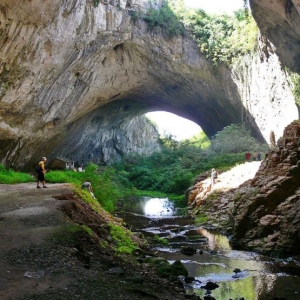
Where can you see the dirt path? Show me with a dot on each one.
(34, 265)
(27, 217)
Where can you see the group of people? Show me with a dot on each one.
(256, 156)
(79, 169)
(41, 171)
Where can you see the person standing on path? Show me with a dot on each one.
(41, 173)
(214, 176)
(248, 156)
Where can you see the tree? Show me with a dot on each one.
(234, 138)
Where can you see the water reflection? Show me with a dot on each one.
(259, 277)
(216, 241)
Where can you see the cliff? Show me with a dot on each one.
(103, 145)
(279, 21)
(74, 73)
(258, 202)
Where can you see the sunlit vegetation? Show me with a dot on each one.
(105, 182)
(295, 78)
(9, 176)
(163, 20)
(175, 167)
(222, 38)
(235, 138)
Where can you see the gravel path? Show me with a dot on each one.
(28, 216)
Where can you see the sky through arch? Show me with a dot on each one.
(216, 6)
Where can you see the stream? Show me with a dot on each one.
(237, 273)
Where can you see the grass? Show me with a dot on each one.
(11, 177)
(200, 219)
(122, 239)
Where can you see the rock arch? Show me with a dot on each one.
(76, 72)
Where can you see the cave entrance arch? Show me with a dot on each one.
(172, 125)
(112, 130)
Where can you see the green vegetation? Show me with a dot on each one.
(10, 177)
(235, 138)
(295, 78)
(96, 3)
(122, 239)
(200, 219)
(222, 38)
(175, 167)
(164, 20)
(105, 182)
(88, 230)
(160, 240)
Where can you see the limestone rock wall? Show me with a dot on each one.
(269, 219)
(64, 64)
(104, 145)
(266, 90)
(279, 21)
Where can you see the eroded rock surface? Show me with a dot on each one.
(279, 20)
(71, 68)
(262, 213)
(269, 217)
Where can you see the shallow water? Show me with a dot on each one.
(256, 277)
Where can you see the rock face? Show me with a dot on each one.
(269, 217)
(265, 90)
(75, 71)
(217, 203)
(263, 213)
(279, 21)
(103, 145)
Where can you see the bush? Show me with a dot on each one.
(164, 19)
(235, 138)
(174, 168)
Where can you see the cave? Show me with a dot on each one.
(74, 76)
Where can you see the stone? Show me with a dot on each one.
(76, 75)
(210, 286)
(279, 22)
(188, 250)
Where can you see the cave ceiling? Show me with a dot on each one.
(76, 69)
